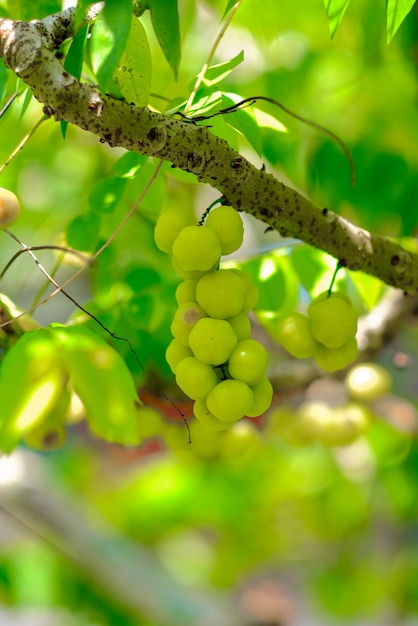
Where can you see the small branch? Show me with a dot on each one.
(126, 571)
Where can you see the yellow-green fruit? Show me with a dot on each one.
(48, 436)
(227, 224)
(150, 422)
(345, 424)
(334, 359)
(9, 207)
(333, 322)
(263, 395)
(184, 319)
(241, 439)
(295, 335)
(368, 382)
(168, 227)
(205, 417)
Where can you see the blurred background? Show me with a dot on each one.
(271, 529)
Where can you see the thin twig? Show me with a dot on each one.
(81, 256)
(23, 143)
(215, 45)
(253, 99)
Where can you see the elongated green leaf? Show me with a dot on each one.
(30, 384)
(109, 38)
(165, 21)
(133, 74)
(397, 10)
(129, 165)
(4, 77)
(82, 6)
(243, 121)
(216, 73)
(74, 61)
(335, 11)
(102, 380)
(229, 6)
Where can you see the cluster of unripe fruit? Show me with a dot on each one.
(327, 333)
(215, 360)
(314, 420)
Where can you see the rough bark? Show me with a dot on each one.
(28, 50)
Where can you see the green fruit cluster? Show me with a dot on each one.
(314, 421)
(215, 360)
(327, 333)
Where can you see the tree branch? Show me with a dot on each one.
(128, 572)
(27, 49)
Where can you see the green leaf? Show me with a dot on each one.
(4, 77)
(133, 74)
(83, 232)
(165, 21)
(74, 61)
(106, 194)
(243, 121)
(206, 104)
(30, 385)
(335, 11)
(109, 37)
(397, 10)
(82, 6)
(216, 73)
(315, 270)
(102, 380)
(129, 165)
(26, 102)
(229, 6)
(277, 286)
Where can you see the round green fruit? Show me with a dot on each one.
(334, 359)
(169, 225)
(196, 248)
(205, 417)
(195, 378)
(221, 294)
(295, 335)
(227, 224)
(230, 400)
(368, 382)
(212, 340)
(263, 396)
(248, 361)
(184, 319)
(333, 322)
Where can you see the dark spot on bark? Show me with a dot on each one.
(342, 262)
(236, 163)
(152, 134)
(48, 111)
(266, 212)
(395, 260)
(324, 212)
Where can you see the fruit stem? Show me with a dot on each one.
(334, 276)
(219, 200)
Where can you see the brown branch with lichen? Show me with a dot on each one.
(28, 50)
